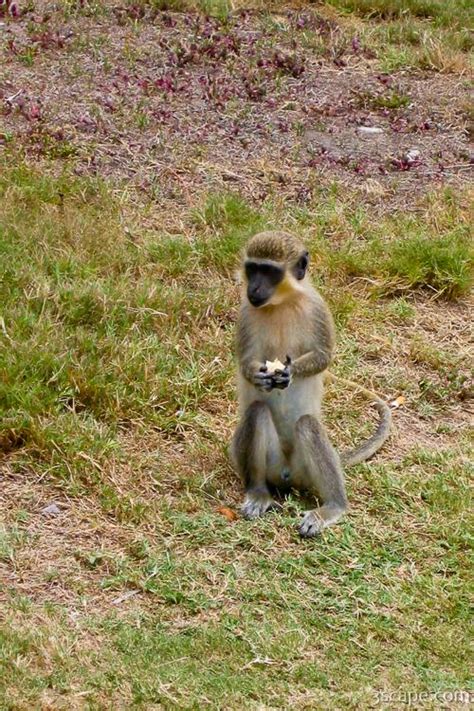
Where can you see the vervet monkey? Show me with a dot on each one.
(280, 440)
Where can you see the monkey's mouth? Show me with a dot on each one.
(258, 300)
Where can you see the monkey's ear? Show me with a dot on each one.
(301, 266)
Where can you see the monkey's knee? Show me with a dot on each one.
(246, 430)
(254, 443)
(322, 470)
(257, 410)
(308, 425)
(312, 438)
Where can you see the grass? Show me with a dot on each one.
(118, 298)
(96, 324)
(428, 34)
(116, 399)
(443, 263)
(451, 12)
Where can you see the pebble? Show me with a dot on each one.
(51, 510)
(412, 155)
(369, 130)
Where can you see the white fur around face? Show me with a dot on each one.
(287, 289)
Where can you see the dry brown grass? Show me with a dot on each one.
(278, 623)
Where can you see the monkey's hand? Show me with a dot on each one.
(281, 378)
(263, 379)
(267, 379)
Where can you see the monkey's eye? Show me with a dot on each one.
(269, 270)
(250, 269)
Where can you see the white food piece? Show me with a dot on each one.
(273, 365)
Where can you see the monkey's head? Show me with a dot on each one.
(274, 268)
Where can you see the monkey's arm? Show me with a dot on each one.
(257, 374)
(320, 356)
(311, 363)
(252, 366)
(249, 367)
(249, 363)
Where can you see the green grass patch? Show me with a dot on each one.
(103, 329)
(442, 12)
(110, 333)
(444, 264)
(413, 259)
(426, 34)
(274, 624)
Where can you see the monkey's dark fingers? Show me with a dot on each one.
(281, 375)
(261, 377)
(281, 381)
(262, 381)
(285, 373)
(287, 360)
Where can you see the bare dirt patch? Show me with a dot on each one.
(180, 103)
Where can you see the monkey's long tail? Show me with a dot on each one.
(371, 445)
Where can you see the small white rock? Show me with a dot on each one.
(369, 130)
(412, 155)
(51, 510)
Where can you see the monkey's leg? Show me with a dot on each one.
(257, 453)
(319, 471)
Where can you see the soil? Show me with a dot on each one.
(177, 104)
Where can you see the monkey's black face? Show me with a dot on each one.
(263, 276)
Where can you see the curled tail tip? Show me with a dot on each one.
(371, 446)
(382, 407)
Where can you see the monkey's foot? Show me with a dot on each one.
(256, 505)
(312, 525)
